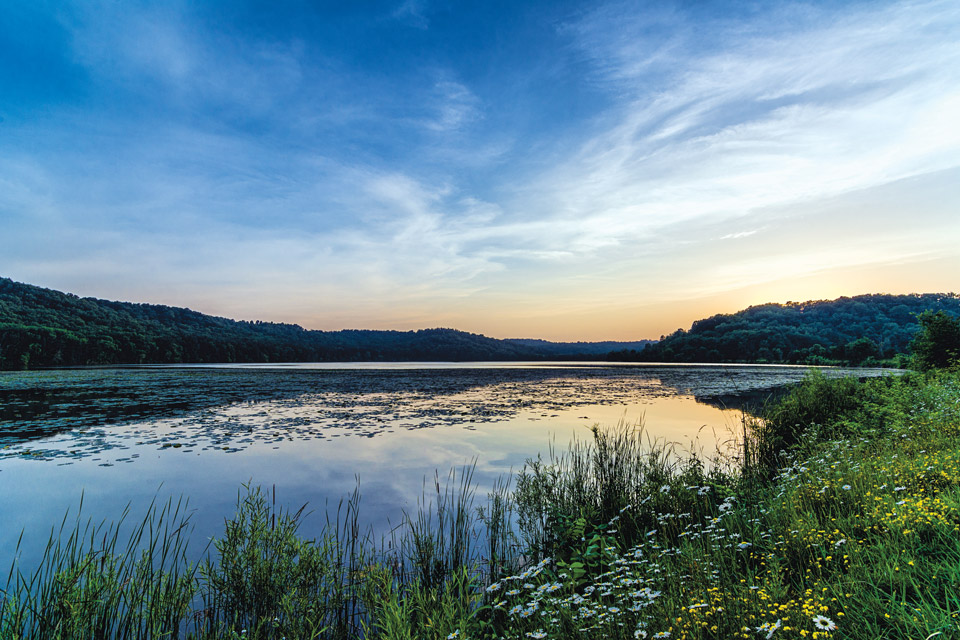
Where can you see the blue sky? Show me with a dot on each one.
(562, 170)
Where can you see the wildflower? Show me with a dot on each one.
(537, 635)
(454, 635)
(824, 623)
(513, 592)
(639, 634)
(846, 487)
(515, 610)
(494, 587)
(662, 634)
(744, 545)
(769, 627)
(665, 489)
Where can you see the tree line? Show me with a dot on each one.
(867, 330)
(46, 328)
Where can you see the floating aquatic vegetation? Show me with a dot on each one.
(88, 411)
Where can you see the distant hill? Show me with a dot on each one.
(862, 330)
(579, 348)
(43, 328)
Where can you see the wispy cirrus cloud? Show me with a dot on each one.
(169, 57)
(456, 106)
(747, 121)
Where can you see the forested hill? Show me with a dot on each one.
(581, 348)
(861, 330)
(41, 328)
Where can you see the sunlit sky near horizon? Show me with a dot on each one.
(560, 170)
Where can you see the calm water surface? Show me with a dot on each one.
(119, 436)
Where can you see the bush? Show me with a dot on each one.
(937, 344)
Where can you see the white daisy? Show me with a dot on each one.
(823, 623)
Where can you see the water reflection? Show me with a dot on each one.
(308, 403)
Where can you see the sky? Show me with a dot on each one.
(558, 170)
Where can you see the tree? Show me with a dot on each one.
(857, 351)
(937, 344)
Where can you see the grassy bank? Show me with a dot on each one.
(840, 518)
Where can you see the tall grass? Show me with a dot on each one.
(261, 579)
(267, 582)
(438, 538)
(102, 581)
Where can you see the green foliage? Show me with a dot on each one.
(937, 344)
(812, 410)
(862, 330)
(416, 611)
(268, 581)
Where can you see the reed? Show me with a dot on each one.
(439, 537)
(105, 580)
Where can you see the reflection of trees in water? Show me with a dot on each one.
(754, 399)
(750, 402)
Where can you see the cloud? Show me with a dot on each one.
(411, 12)
(739, 234)
(837, 105)
(456, 106)
(165, 53)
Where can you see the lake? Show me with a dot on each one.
(312, 432)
